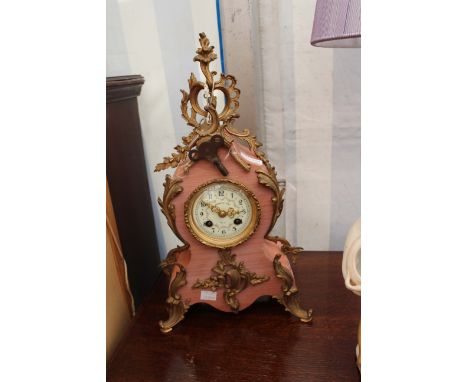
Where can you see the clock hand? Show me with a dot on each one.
(215, 209)
(231, 212)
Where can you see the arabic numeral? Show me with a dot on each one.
(221, 192)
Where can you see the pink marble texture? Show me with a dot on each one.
(257, 253)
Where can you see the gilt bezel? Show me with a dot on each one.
(216, 242)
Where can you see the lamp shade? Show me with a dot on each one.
(337, 24)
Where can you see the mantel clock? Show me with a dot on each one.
(222, 202)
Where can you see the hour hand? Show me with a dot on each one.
(209, 150)
(231, 212)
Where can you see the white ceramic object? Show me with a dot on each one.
(352, 259)
(351, 268)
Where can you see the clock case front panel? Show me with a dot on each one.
(257, 253)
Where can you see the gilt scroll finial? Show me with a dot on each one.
(208, 120)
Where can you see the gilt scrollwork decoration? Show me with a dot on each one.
(289, 299)
(172, 187)
(286, 247)
(176, 306)
(232, 276)
(268, 179)
(205, 120)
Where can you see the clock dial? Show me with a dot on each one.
(222, 213)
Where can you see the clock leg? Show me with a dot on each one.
(290, 298)
(176, 307)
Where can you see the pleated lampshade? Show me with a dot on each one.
(337, 24)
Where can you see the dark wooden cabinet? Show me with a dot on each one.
(128, 184)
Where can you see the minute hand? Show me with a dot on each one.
(231, 212)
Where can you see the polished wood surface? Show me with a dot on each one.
(261, 343)
(128, 184)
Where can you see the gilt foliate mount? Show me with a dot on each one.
(222, 202)
(206, 121)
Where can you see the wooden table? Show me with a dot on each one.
(261, 343)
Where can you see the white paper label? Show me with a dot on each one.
(208, 295)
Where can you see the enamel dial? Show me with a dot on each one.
(222, 213)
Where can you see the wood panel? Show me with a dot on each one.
(262, 343)
(128, 184)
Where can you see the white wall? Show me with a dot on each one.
(307, 105)
(303, 102)
(158, 39)
(240, 57)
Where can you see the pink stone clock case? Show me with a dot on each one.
(257, 253)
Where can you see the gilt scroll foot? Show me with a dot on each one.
(176, 306)
(290, 299)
